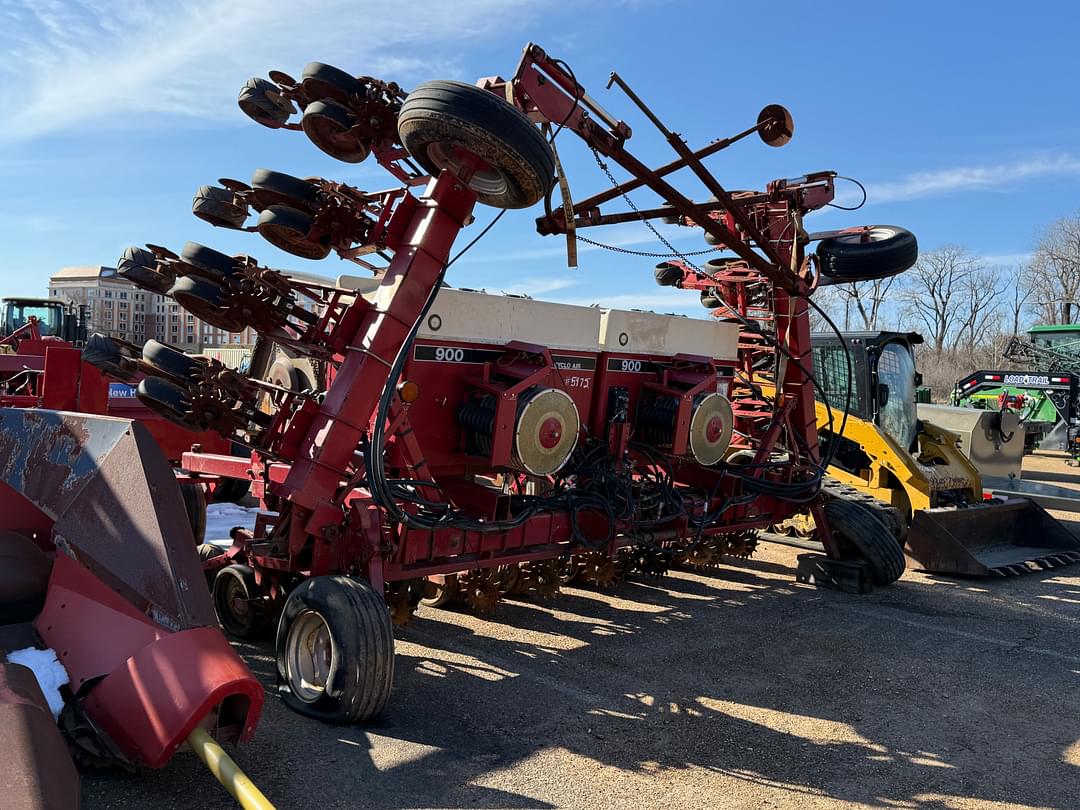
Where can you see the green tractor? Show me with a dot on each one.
(1044, 388)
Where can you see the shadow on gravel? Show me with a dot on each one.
(911, 697)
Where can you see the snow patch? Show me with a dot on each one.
(221, 518)
(48, 670)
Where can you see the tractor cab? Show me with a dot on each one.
(1063, 338)
(59, 319)
(882, 382)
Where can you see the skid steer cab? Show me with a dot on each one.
(915, 470)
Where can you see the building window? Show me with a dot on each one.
(108, 293)
(121, 295)
(190, 339)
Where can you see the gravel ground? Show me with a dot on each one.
(735, 689)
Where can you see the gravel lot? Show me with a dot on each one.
(734, 689)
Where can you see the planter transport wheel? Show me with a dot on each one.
(442, 593)
(261, 102)
(667, 274)
(569, 570)
(171, 361)
(103, 353)
(236, 601)
(166, 399)
(862, 536)
(287, 228)
(447, 125)
(206, 300)
(709, 299)
(140, 267)
(326, 80)
(211, 262)
(220, 207)
(293, 191)
(335, 650)
(329, 125)
(878, 252)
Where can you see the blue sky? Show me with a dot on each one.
(961, 119)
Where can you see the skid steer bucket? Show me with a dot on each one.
(1002, 538)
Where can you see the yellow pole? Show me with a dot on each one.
(227, 772)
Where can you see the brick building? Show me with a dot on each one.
(120, 309)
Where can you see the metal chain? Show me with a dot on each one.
(675, 254)
(617, 249)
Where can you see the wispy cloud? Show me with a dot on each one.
(967, 178)
(1005, 259)
(540, 286)
(125, 63)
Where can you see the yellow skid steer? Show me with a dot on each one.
(928, 489)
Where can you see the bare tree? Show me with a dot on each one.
(977, 306)
(867, 300)
(934, 289)
(1021, 295)
(1054, 271)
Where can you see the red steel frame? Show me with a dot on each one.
(328, 523)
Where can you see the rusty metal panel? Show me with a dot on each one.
(114, 503)
(38, 774)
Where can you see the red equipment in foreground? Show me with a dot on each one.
(481, 444)
(92, 499)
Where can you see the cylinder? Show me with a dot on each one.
(546, 427)
(709, 433)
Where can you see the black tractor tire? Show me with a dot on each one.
(886, 251)
(103, 353)
(351, 619)
(673, 219)
(172, 362)
(570, 570)
(441, 119)
(714, 266)
(329, 125)
(207, 551)
(220, 207)
(710, 240)
(862, 536)
(326, 80)
(293, 191)
(262, 103)
(214, 264)
(166, 399)
(140, 267)
(290, 374)
(895, 519)
(195, 505)
(238, 603)
(287, 229)
(709, 300)
(231, 490)
(442, 593)
(207, 301)
(668, 274)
